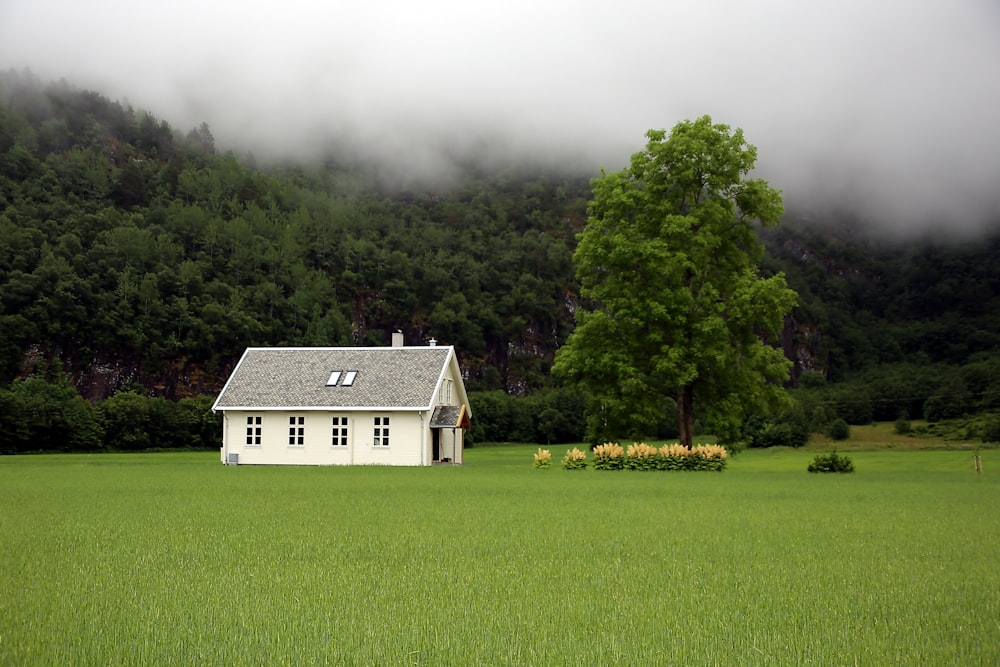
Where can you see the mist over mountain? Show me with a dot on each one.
(884, 110)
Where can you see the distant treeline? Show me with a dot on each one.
(44, 413)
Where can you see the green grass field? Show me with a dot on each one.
(174, 559)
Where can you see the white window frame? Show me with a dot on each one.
(380, 434)
(296, 431)
(339, 432)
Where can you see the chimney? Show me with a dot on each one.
(432, 342)
(397, 338)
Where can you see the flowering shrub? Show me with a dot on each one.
(674, 457)
(543, 458)
(574, 459)
(609, 456)
(640, 456)
(709, 457)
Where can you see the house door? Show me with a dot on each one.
(435, 444)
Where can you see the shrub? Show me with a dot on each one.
(708, 457)
(609, 456)
(674, 457)
(641, 456)
(543, 458)
(574, 459)
(839, 430)
(831, 462)
(902, 425)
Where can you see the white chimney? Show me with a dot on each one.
(397, 338)
(433, 342)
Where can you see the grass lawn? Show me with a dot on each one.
(164, 559)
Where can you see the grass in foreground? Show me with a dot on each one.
(176, 559)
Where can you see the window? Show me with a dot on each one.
(381, 435)
(339, 432)
(253, 431)
(336, 375)
(446, 392)
(296, 431)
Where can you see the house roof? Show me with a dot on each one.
(305, 378)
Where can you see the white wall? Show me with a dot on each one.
(450, 442)
(406, 436)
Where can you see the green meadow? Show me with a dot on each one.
(175, 559)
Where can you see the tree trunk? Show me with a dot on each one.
(685, 415)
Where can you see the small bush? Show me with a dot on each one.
(831, 462)
(543, 458)
(574, 459)
(902, 425)
(839, 430)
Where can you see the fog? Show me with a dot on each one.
(886, 109)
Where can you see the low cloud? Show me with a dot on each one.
(883, 109)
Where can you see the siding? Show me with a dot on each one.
(405, 439)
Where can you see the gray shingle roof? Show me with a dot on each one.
(388, 377)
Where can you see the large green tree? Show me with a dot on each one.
(675, 306)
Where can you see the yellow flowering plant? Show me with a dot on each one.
(575, 459)
(641, 456)
(543, 458)
(609, 456)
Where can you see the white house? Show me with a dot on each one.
(399, 405)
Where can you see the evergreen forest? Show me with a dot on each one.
(139, 260)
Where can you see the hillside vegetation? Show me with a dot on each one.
(140, 259)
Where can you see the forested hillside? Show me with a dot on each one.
(138, 256)
(136, 253)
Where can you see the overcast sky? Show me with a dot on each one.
(889, 106)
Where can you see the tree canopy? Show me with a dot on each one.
(676, 304)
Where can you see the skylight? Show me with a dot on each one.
(336, 375)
